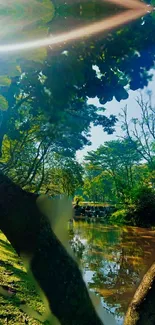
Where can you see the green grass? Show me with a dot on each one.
(13, 275)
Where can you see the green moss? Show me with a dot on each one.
(13, 275)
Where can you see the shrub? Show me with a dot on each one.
(142, 212)
(78, 199)
(118, 217)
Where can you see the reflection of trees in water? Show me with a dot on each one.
(76, 245)
(118, 259)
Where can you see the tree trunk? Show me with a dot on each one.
(141, 310)
(56, 273)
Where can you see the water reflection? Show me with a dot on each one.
(114, 261)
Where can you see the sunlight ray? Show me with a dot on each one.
(136, 10)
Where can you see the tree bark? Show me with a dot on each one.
(56, 273)
(141, 310)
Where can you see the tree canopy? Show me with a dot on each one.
(46, 94)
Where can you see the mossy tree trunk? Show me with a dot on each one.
(56, 273)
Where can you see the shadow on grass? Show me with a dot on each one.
(16, 287)
(7, 246)
(9, 267)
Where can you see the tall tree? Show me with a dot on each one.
(64, 176)
(118, 158)
(99, 188)
(141, 131)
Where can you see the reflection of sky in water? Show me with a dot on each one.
(88, 278)
(83, 241)
(106, 265)
(114, 261)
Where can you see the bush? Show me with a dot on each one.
(142, 212)
(118, 217)
(78, 199)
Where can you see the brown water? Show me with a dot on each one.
(114, 260)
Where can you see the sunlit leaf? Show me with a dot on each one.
(4, 81)
(3, 103)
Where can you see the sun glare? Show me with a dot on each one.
(135, 10)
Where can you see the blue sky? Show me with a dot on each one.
(98, 137)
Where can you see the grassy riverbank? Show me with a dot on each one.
(15, 288)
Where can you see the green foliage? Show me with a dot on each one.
(113, 164)
(78, 199)
(72, 75)
(119, 217)
(63, 176)
(4, 81)
(35, 167)
(115, 55)
(3, 103)
(115, 172)
(142, 212)
(98, 185)
(26, 20)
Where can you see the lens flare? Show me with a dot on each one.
(129, 4)
(136, 9)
